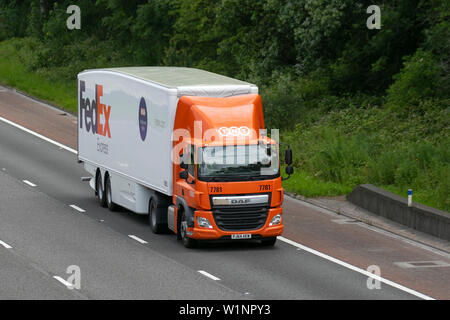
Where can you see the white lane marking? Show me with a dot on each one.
(64, 282)
(38, 135)
(351, 267)
(77, 208)
(31, 184)
(422, 264)
(7, 246)
(137, 239)
(209, 275)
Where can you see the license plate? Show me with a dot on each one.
(241, 236)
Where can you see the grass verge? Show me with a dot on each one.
(14, 73)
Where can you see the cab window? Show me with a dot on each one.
(191, 163)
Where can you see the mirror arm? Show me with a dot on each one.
(192, 182)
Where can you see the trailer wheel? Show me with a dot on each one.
(154, 215)
(269, 242)
(110, 204)
(100, 190)
(187, 242)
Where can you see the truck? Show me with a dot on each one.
(186, 147)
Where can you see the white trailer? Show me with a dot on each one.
(125, 125)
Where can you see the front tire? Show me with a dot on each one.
(109, 203)
(187, 242)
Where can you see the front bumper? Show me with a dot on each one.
(215, 232)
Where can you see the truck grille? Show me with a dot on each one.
(240, 218)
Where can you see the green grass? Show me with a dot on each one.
(302, 183)
(14, 73)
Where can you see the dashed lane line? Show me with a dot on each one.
(209, 275)
(137, 239)
(77, 208)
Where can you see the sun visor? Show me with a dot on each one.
(216, 91)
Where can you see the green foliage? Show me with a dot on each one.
(417, 80)
(151, 31)
(288, 101)
(34, 28)
(13, 73)
(12, 13)
(192, 43)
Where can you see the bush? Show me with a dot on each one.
(288, 101)
(417, 80)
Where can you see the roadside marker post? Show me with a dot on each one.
(409, 197)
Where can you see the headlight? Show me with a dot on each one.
(204, 223)
(275, 220)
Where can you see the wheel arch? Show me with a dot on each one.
(182, 206)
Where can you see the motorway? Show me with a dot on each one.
(50, 220)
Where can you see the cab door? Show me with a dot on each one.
(185, 188)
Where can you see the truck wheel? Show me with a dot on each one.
(154, 215)
(187, 242)
(268, 242)
(111, 205)
(100, 191)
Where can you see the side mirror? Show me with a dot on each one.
(288, 159)
(289, 170)
(182, 164)
(288, 156)
(184, 175)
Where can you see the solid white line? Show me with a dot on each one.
(7, 246)
(64, 282)
(137, 239)
(31, 184)
(209, 275)
(351, 267)
(38, 135)
(77, 208)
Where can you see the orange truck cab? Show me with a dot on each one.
(218, 197)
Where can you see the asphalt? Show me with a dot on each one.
(22, 279)
(47, 236)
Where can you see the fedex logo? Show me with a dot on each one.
(91, 111)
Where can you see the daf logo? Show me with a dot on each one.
(240, 201)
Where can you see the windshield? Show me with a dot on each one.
(245, 161)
